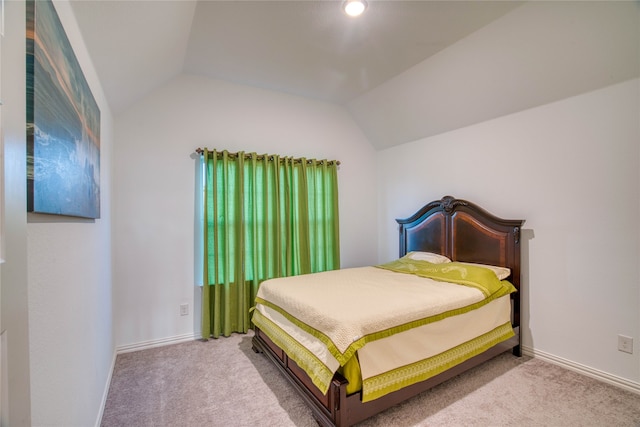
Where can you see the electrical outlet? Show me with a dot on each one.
(184, 309)
(625, 344)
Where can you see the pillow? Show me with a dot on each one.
(428, 256)
(501, 272)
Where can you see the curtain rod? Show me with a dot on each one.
(268, 157)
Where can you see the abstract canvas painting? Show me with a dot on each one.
(63, 122)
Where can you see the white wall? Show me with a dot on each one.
(541, 52)
(16, 409)
(568, 165)
(70, 294)
(154, 188)
(571, 170)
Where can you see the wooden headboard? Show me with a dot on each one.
(464, 231)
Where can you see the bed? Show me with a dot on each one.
(455, 230)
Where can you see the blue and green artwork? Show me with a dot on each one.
(63, 122)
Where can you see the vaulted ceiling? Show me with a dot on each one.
(308, 48)
(312, 49)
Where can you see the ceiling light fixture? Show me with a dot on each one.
(354, 7)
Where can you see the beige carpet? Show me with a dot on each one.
(224, 383)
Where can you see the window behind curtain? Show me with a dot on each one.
(266, 216)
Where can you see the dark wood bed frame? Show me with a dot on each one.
(452, 227)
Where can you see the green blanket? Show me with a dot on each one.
(480, 278)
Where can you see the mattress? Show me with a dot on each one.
(384, 330)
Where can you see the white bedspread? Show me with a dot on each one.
(403, 327)
(347, 305)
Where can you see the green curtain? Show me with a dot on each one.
(264, 216)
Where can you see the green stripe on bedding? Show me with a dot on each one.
(319, 373)
(477, 277)
(396, 379)
(342, 357)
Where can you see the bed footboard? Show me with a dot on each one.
(325, 408)
(336, 408)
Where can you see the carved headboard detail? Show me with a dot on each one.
(463, 231)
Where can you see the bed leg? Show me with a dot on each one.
(254, 347)
(517, 351)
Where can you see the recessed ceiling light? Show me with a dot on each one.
(354, 7)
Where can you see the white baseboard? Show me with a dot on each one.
(156, 343)
(582, 369)
(105, 394)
